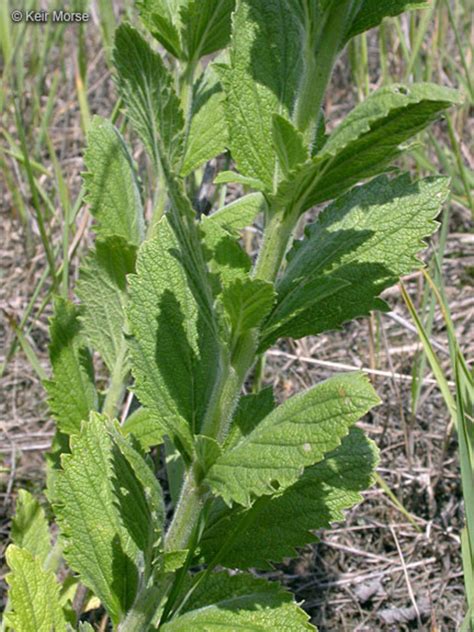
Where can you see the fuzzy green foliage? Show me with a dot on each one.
(34, 594)
(179, 319)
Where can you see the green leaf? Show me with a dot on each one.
(71, 391)
(158, 17)
(107, 509)
(189, 247)
(144, 521)
(174, 560)
(239, 214)
(59, 445)
(248, 303)
(34, 594)
(250, 411)
(321, 136)
(370, 13)
(393, 113)
(102, 288)
(146, 88)
(239, 602)
(207, 451)
(142, 424)
(175, 350)
(188, 29)
(111, 184)
(366, 142)
(225, 257)
(274, 527)
(30, 529)
(225, 177)
(261, 80)
(360, 245)
(295, 435)
(289, 144)
(207, 135)
(206, 26)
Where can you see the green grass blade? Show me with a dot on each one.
(382, 483)
(461, 47)
(5, 38)
(27, 349)
(430, 354)
(419, 39)
(460, 163)
(33, 188)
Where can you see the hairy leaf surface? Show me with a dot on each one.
(189, 250)
(146, 88)
(295, 435)
(261, 80)
(224, 177)
(34, 594)
(159, 17)
(241, 213)
(142, 424)
(110, 514)
(370, 13)
(111, 183)
(366, 142)
(188, 29)
(71, 391)
(250, 411)
(289, 144)
(143, 515)
(360, 245)
(174, 351)
(225, 257)
(207, 135)
(102, 288)
(30, 530)
(239, 602)
(247, 303)
(206, 26)
(273, 527)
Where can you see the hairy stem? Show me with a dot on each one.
(143, 611)
(319, 60)
(278, 231)
(187, 514)
(277, 235)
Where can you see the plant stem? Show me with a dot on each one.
(247, 518)
(141, 615)
(278, 231)
(279, 228)
(187, 513)
(319, 61)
